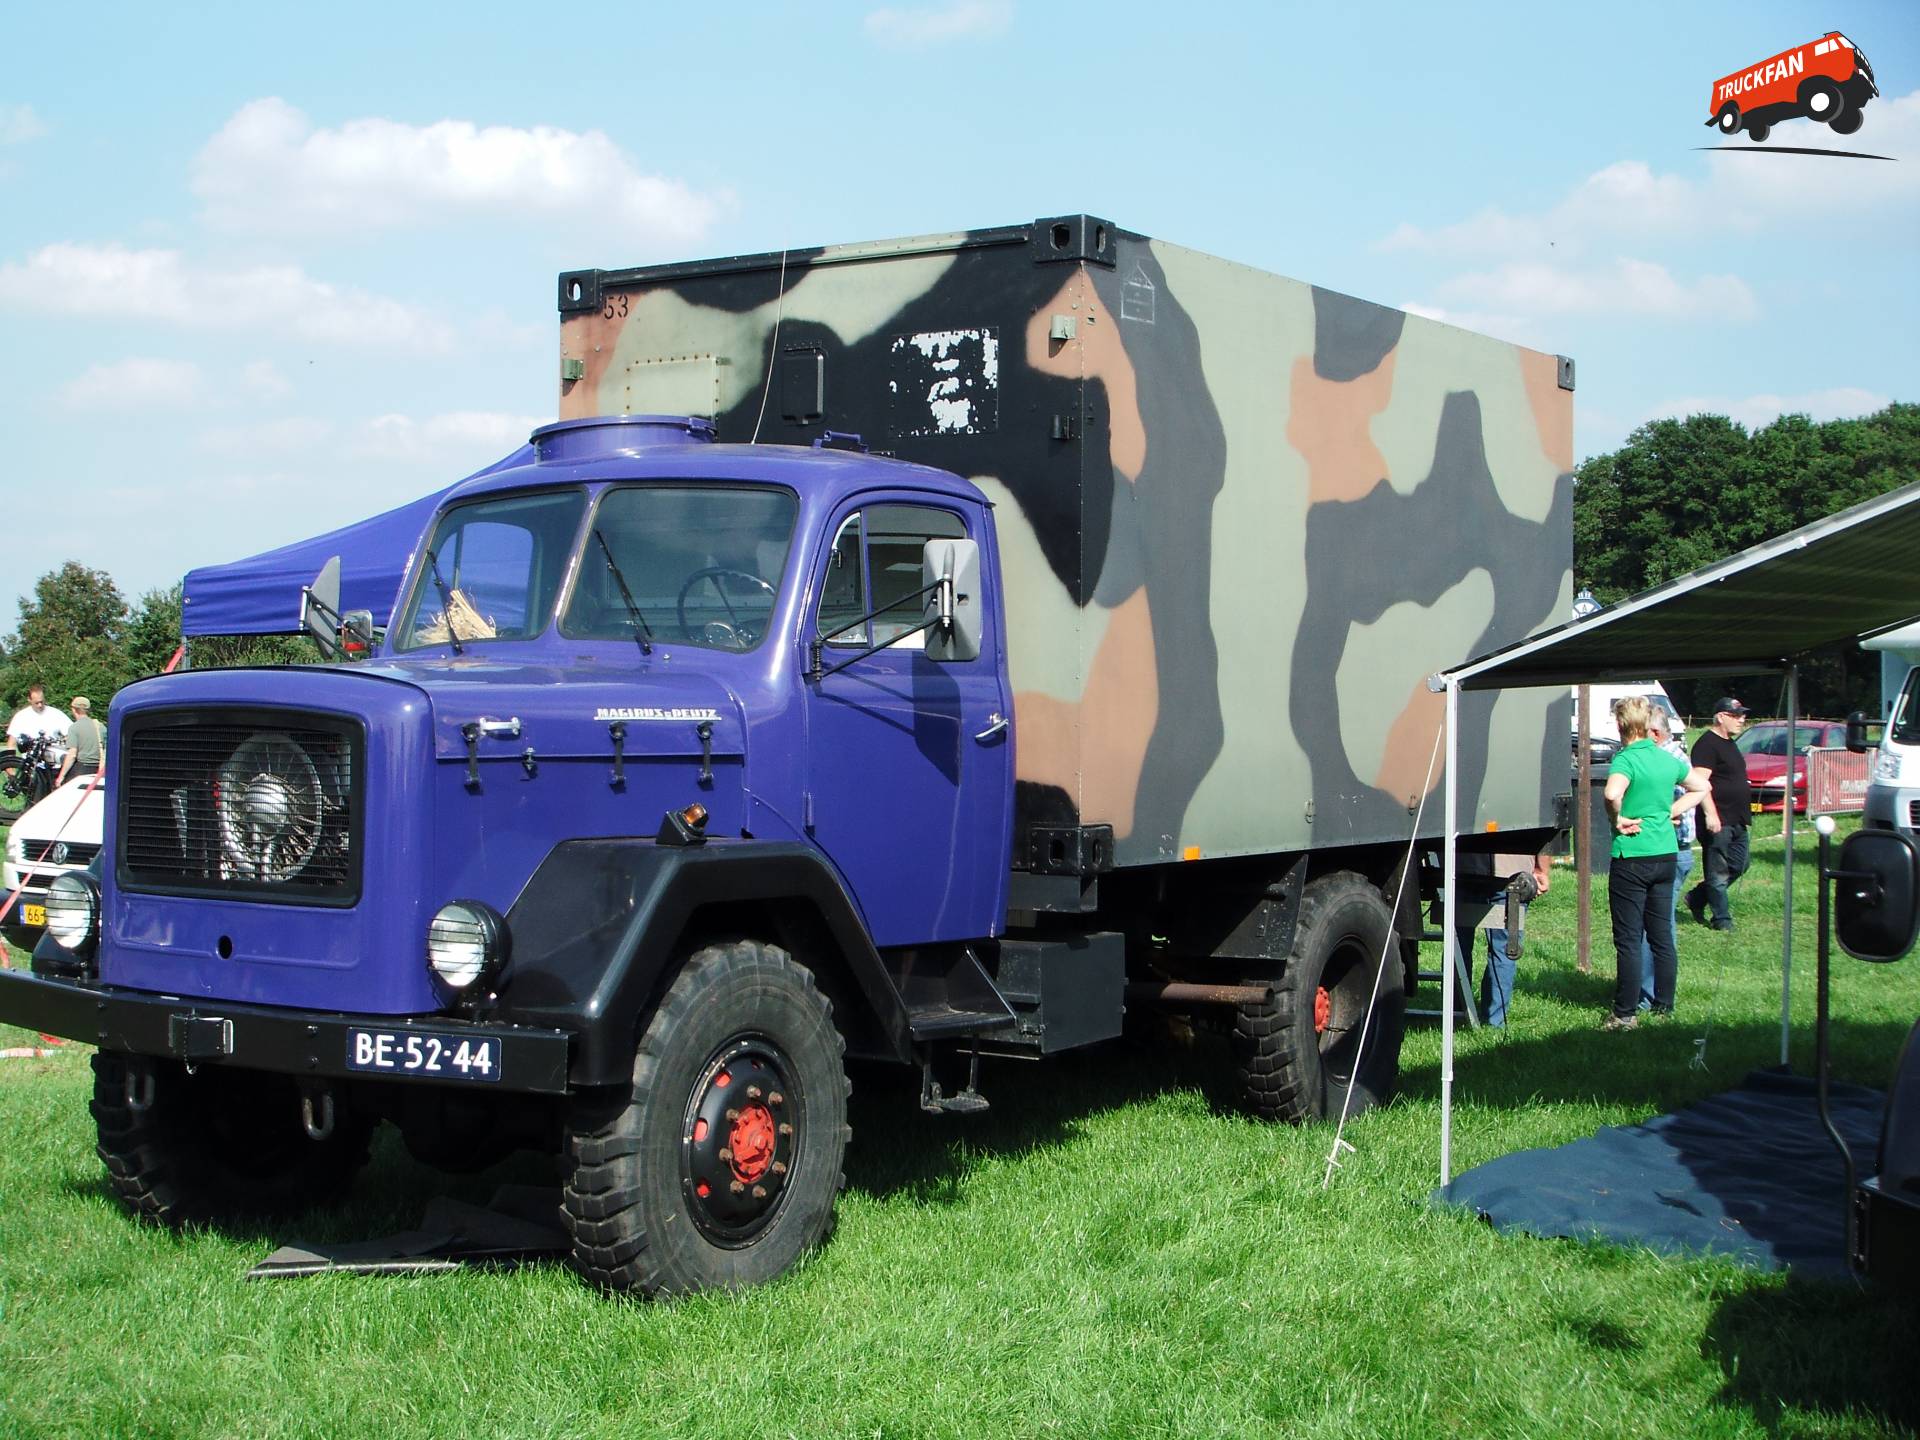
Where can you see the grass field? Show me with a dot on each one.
(1109, 1251)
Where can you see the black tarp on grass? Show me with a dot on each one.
(1749, 1174)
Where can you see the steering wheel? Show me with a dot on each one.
(736, 632)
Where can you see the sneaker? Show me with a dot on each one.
(1723, 925)
(1697, 903)
(1620, 1022)
(1662, 1012)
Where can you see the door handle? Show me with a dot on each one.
(996, 722)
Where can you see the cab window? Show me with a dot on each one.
(875, 565)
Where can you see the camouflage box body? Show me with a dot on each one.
(1241, 518)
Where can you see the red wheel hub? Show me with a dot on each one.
(752, 1141)
(1322, 1010)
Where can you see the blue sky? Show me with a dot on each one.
(267, 270)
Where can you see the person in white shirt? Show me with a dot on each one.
(36, 719)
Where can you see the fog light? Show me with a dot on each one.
(466, 944)
(73, 910)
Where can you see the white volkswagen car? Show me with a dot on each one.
(59, 834)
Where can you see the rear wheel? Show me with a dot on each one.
(218, 1143)
(1728, 119)
(1757, 132)
(1302, 1055)
(719, 1166)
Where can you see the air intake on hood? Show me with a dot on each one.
(599, 436)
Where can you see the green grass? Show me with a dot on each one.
(1110, 1251)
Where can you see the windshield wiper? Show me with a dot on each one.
(446, 600)
(644, 632)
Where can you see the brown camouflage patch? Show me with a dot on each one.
(1404, 767)
(1552, 406)
(1328, 423)
(590, 339)
(1094, 747)
(1095, 353)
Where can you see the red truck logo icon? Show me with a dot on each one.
(1827, 81)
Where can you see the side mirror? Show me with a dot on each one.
(1857, 733)
(950, 571)
(1877, 895)
(320, 610)
(356, 632)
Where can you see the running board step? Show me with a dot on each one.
(943, 1022)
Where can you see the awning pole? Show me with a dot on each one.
(1786, 892)
(1450, 931)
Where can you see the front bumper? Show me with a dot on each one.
(255, 1037)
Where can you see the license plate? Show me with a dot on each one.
(1757, 807)
(33, 915)
(424, 1053)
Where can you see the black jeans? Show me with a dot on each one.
(1725, 853)
(1640, 899)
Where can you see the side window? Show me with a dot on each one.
(843, 597)
(897, 536)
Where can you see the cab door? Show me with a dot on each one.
(910, 761)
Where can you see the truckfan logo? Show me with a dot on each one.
(1827, 81)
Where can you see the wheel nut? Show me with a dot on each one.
(776, 1098)
(753, 1092)
(759, 1192)
(785, 1129)
(733, 1114)
(779, 1167)
(726, 1153)
(736, 1187)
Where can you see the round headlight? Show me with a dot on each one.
(73, 910)
(466, 944)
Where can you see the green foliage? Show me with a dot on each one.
(154, 632)
(70, 640)
(220, 652)
(1681, 494)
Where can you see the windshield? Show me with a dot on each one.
(1772, 739)
(698, 564)
(491, 570)
(1905, 728)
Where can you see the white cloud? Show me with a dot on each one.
(296, 435)
(920, 26)
(1624, 286)
(1743, 192)
(133, 382)
(1753, 411)
(18, 124)
(162, 285)
(263, 379)
(269, 169)
(454, 439)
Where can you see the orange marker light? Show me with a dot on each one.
(1192, 852)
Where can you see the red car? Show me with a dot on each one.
(1765, 746)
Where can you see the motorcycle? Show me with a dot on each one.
(27, 775)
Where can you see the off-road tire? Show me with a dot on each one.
(1848, 122)
(1296, 1070)
(631, 1199)
(218, 1144)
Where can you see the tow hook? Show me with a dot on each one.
(139, 1089)
(316, 1113)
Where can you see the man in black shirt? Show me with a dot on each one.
(1725, 813)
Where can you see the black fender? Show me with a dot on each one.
(597, 926)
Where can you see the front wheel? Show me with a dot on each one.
(1310, 1053)
(1846, 122)
(186, 1146)
(15, 785)
(718, 1168)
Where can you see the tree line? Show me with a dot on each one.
(1679, 494)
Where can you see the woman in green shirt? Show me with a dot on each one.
(1641, 801)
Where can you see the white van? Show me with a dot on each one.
(1603, 738)
(1893, 789)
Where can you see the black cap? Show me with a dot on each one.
(1727, 705)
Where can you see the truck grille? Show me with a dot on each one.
(1913, 814)
(263, 805)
